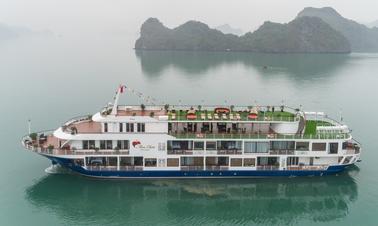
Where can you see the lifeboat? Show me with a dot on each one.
(253, 114)
(222, 110)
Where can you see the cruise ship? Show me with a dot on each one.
(163, 141)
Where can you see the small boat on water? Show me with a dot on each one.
(162, 141)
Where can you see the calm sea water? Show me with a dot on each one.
(53, 79)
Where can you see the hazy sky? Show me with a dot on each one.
(126, 16)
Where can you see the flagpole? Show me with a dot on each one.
(29, 126)
(115, 104)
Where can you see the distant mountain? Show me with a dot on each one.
(360, 37)
(227, 29)
(10, 32)
(372, 24)
(7, 32)
(302, 35)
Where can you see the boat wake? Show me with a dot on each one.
(56, 169)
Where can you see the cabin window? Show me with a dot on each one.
(248, 162)
(229, 145)
(192, 161)
(256, 147)
(302, 146)
(179, 145)
(102, 144)
(217, 161)
(267, 161)
(141, 127)
(121, 127)
(211, 145)
(85, 144)
(173, 162)
(92, 144)
(236, 162)
(123, 144)
(109, 144)
(292, 161)
(319, 146)
(130, 161)
(282, 145)
(199, 145)
(105, 127)
(333, 148)
(129, 127)
(150, 162)
(111, 161)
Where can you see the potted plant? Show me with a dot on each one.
(282, 108)
(199, 107)
(74, 149)
(152, 114)
(96, 149)
(116, 149)
(232, 108)
(33, 136)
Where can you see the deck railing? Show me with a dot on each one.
(324, 136)
(191, 168)
(217, 167)
(282, 152)
(313, 167)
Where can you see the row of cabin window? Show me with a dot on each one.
(173, 162)
(251, 147)
(106, 144)
(128, 127)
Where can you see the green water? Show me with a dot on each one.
(53, 79)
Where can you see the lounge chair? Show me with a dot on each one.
(216, 116)
(173, 116)
(209, 116)
(237, 116)
(203, 116)
(224, 116)
(232, 116)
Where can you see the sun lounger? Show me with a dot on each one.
(203, 116)
(238, 116)
(224, 116)
(173, 116)
(209, 116)
(231, 116)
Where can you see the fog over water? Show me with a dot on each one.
(101, 17)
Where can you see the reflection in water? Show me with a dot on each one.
(265, 201)
(155, 62)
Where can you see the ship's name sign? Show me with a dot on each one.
(138, 145)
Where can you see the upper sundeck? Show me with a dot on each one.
(202, 113)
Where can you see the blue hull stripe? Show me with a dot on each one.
(178, 173)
